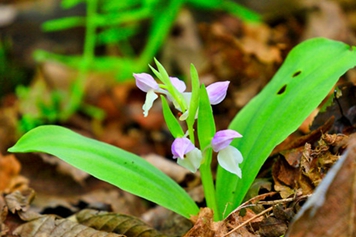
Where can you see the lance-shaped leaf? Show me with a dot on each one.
(111, 164)
(305, 78)
(171, 121)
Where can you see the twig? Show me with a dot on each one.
(246, 204)
(247, 221)
(274, 202)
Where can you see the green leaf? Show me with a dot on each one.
(171, 121)
(305, 78)
(194, 101)
(111, 164)
(206, 122)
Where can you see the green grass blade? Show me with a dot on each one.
(111, 164)
(305, 78)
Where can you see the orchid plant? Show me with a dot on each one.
(193, 106)
(183, 148)
(303, 81)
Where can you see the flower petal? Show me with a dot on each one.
(192, 160)
(181, 146)
(145, 82)
(150, 98)
(217, 91)
(223, 138)
(229, 158)
(178, 84)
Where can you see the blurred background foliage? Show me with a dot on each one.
(116, 38)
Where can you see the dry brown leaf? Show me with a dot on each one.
(8, 129)
(65, 168)
(9, 169)
(203, 224)
(166, 221)
(51, 226)
(19, 200)
(3, 214)
(331, 211)
(172, 169)
(116, 223)
(326, 19)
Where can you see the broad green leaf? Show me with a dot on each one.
(171, 121)
(305, 78)
(111, 164)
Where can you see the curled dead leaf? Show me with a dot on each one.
(19, 200)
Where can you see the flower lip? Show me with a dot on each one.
(217, 91)
(145, 82)
(223, 138)
(181, 146)
(229, 158)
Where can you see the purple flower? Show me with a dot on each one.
(189, 156)
(223, 138)
(145, 82)
(178, 84)
(217, 91)
(228, 156)
(148, 84)
(180, 147)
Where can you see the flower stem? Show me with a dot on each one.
(208, 183)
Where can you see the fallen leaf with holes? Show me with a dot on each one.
(51, 226)
(331, 211)
(116, 223)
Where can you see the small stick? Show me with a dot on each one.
(274, 202)
(247, 221)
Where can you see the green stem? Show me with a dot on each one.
(77, 90)
(208, 182)
(160, 29)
